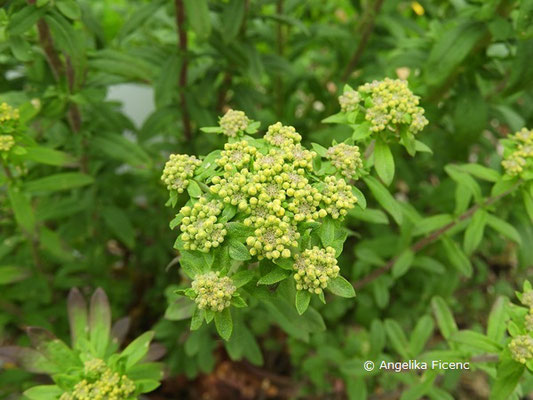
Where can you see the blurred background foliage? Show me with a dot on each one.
(116, 86)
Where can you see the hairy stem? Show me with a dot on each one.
(435, 235)
(367, 29)
(182, 84)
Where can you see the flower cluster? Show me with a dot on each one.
(346, 159)
(282, 136)
(236, 155)
(9, 118)
(338, 197)
(6, 142)
(233, 123)
(349, 100)
(199, 225)
(521, 346)
(519, 153)
(314, 268)
(213, 292)
(101, 383)
(390, 103)
(273, 238)
(178, 171)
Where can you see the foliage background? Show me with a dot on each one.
(287, 60)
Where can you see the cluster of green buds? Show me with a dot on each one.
(518, 154)
(234, 122)
(390, 103)
(101, 383)
(178, 171)
(349, 100)
(346, 159)
(314, 268)
(338, 197)
(9, 120)
(521, 345)
(6, 142)
(199, 225)
(212, 291)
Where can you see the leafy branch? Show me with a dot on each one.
(434, 236)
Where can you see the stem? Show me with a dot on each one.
(368, 28)
(279, 47)
(182, 84)
(432, 237)
(7, 171)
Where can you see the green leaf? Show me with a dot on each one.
(137, 349)
(241, 278)
(422, 147)
(528, 204)
(22, 209)
(232, 18)
(456, 256)
(339, 118)
(397, 338)
(24, 19)
(167, 81)
(62, 181)
(432, 223)
(508, 375)
(327, 232)
(481, 172)
(194, 189)
(464, 179)
(384, 198)
(119, 224)
(303, 297)
(139, 17)
(44, 392)
(99, 322)
(238, 251)
(497, 321)
(197, 12)
(224, 323)
(180, 309)
(370, 215)
(69, 8)
(274, 276)
(383, 161)
(421, 334)
(44, 155)
(504, 228)
(474, 231)
(444, 317)
(341, 287)
(197, 319)
(361, 200)
(78, 318)
(403, 263)
(476, 341)
(320, 150)
(119, 148)
(361, 131)
(11, 274)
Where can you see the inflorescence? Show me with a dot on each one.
(6, 142)
(314, 268)
(521, 346)
(178, 171)
(213, 292)
(346, 158)
(388, 105)
(233, 123)
(519, 157)
(101, 383)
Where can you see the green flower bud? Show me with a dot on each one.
(349, 100)
(234, 123)
(6, 142)
(521, 348)
(178, 171)
(213, 292)
(282, 136)
(338, 197)
(272, 236)
(314, 268)
(346, 159)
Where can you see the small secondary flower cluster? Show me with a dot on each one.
(101, 383)
(388, 104)
(521, 346)
(9, 118)
(178, 171)
(233, 123)
(314, 268)
(274, 186)
(519, 158)
(213, 292)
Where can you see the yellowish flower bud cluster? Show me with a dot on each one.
(282, 136)
(349, 100)
(101, 383)
(301, 157)
(338, 197)
(234, 123)
(6, 142)
(178, 171)
(393, 103)
(305, 204)
(273, 238)
(236, 155)
(8, 114)
(233, 189)
(314, 268)
(213, 292)
(199, 226)
(346, 159)
(521, 348)
(520, 159)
